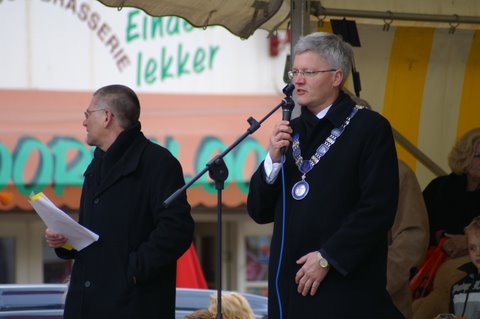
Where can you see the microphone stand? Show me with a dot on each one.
(218, 172)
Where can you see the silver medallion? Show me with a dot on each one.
(300, 190)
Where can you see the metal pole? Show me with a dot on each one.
(418, 154)
(389, 15)
(299, 21)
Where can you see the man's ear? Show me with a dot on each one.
(108, 118)
(338, 78)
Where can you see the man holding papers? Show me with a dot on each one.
(130, 271)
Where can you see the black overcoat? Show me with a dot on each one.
(346, 215)
(450, 206)
(121, 201)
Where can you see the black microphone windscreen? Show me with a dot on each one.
(288, 103)
(288, 89)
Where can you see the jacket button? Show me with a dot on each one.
(87, 284)
(96, 200)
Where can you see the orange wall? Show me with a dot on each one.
(183, 123)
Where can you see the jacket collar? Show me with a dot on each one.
(337, 113)
(340, 109)
(468, 268)
(121, 159)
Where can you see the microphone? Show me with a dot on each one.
(287, 106)
(288, 89)
(287, 112)
(287, 103)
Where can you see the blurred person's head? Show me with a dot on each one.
(472, 231)
(464, 158)
(234, 306)
(200, 314)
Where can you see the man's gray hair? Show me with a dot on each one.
(336, 52)
(122, 101)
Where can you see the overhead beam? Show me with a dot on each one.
(455, 19)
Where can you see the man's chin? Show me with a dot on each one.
(301, 101)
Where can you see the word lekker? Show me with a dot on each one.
(169, 65)
(175, 59)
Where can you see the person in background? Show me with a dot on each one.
(465, 294)
(200, 314)
(329, 245)
(453, 200)
(234, 306)
(408, 239)
(130, 271)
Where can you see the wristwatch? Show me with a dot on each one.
(322, 261)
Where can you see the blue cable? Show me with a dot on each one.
(282, 241)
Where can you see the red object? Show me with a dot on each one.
(5, 198)
(189, 271)
(422, 283)
(274, 45)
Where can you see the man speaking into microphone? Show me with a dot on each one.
(335, 198)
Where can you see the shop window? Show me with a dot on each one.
(257, 254)
(208, 260)
(7, 260)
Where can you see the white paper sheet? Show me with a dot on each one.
(58, 221)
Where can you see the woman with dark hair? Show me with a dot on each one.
(454, 200)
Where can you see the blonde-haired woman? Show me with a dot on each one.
(234, 306)
(454, 200)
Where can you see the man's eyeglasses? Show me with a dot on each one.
(306, 73)
(88, 112)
